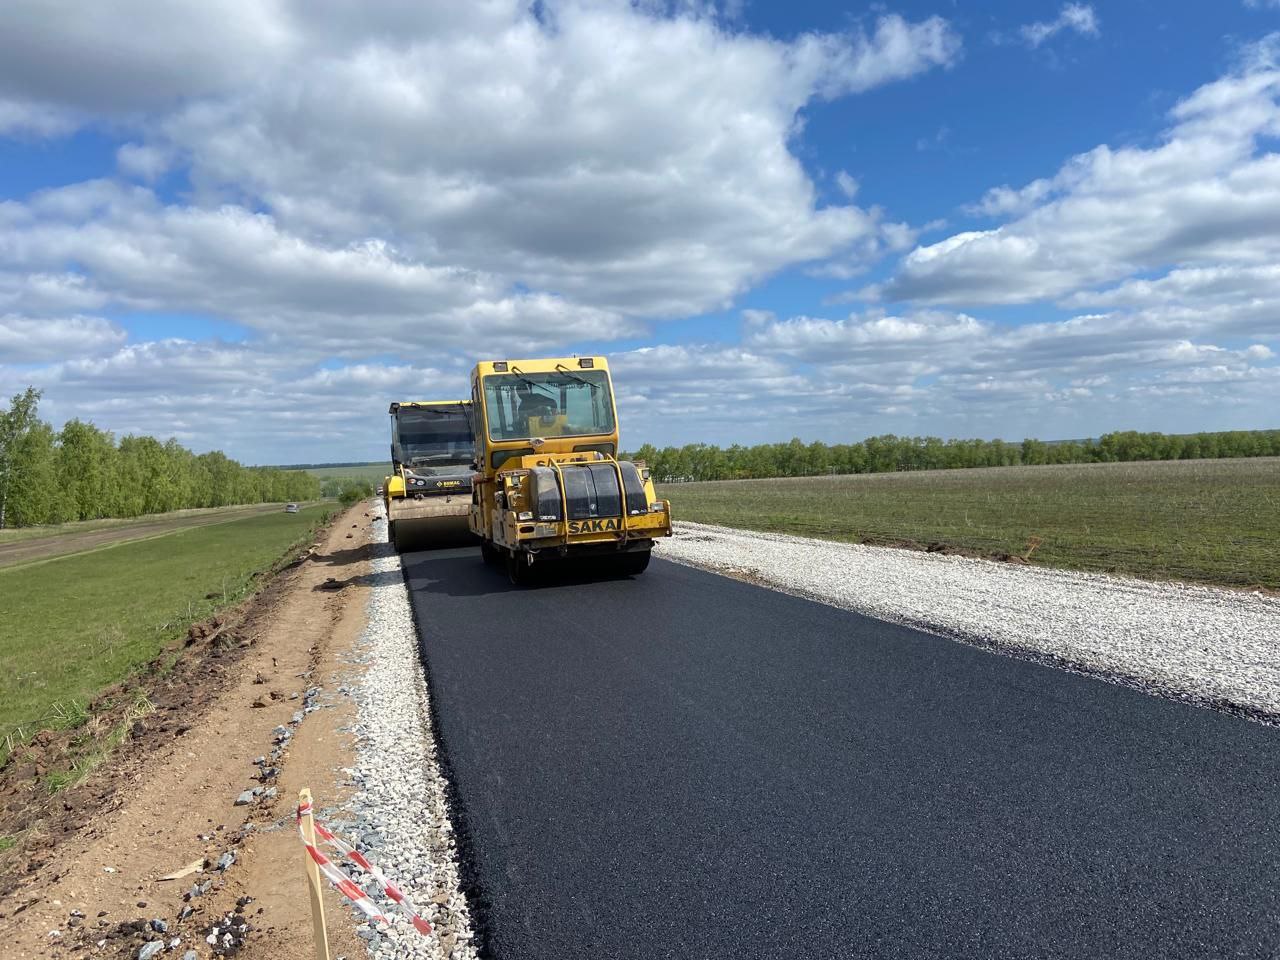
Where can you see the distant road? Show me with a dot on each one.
(63, 543)
(688, 766)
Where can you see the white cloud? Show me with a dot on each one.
(140, 160)
(918, 372)
(1005, 201)
(840, 64)
(19, 118)
(48, 294)
(873, 336)
(1077, 17)
(409, 180)
(134, 55)
(206, 392)
(27, 340)
(681, 393)
(1209, 193)
(960, 369)
(1226, 298)
(365, 297)
(423, 183)
(610, 159)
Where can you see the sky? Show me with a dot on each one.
(251, 224)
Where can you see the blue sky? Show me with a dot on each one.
(250, 225)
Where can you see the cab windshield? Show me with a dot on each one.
(562, 403)
(432, 440)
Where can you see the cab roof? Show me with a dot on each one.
(397, 404)
(544, 365)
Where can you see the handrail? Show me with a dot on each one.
(564, 500)
(622, 497)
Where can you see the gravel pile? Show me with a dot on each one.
(1213, 647)
(399, 806)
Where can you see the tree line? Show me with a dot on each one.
(889, 453)
(83, 473)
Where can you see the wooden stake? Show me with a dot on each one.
(315, 884)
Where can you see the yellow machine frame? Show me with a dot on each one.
(502, 513)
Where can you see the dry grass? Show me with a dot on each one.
(1211, 521)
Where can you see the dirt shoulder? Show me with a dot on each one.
(261, 684)
(63, 542)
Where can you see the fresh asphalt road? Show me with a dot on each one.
(683, 765)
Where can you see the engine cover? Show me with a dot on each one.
(590, 490)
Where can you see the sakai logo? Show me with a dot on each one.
(592, 526)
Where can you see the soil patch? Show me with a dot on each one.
(218, 736)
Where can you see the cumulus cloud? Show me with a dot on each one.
(408, 180)
(1209, 192)
(27, 340)
(133, 55)
(848, 184)
(649, 175)
(695, 392)
(966, 371)
(873, 336)
(135, 252)
(370, 195)
(839, 64)
(145, 162)
(263, 404)
(20, 118)
(1076, 17)
(1225, 298)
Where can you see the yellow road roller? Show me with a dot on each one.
(428, 495)
(549, 486)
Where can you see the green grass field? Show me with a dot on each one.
(372, 473)
(14, 534)
(1211, 521)
(73, 625)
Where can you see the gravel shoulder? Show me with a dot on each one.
(398, 811)
(1213, 647)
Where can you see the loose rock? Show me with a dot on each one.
(401, 817)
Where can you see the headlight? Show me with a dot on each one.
(657, 507)
(524, 516)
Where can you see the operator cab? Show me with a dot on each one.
(540, 405)
(430, 440)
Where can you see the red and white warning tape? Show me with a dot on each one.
(348, 887)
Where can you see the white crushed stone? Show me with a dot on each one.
(1209, 646)
(399, 806)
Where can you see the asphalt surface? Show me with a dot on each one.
(683, 765)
